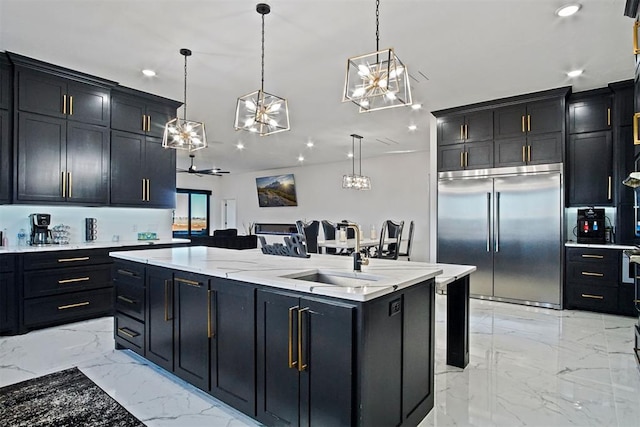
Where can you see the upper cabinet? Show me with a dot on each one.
(5, 133)
(523, 130)
(5, 83)
(131, 113)
(590, 113)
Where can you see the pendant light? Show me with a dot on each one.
(353, 181)
(377, 80)
(180, 133)
(259, 111)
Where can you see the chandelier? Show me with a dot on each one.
(180, 133)
(377, 80)
(259, 111)
(353, 181)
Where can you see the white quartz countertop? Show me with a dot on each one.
(598, 246)
(88, 245)
(379, 278)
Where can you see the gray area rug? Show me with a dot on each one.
(65, 398)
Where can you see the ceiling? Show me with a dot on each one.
(457, 52)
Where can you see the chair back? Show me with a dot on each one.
(310, 232)
(390, 229)
(329, 229)
(409, 239)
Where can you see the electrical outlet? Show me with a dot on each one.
(395, 307)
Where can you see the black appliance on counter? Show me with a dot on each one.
(591, 227)
(40, 233)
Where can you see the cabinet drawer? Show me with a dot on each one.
(129, 333)
(7, 263)
(50, 282)
(131, 273)
(63, 308)
(602, 256)
(65, 259)
(130, 299)
(592, 297)
(594, 273)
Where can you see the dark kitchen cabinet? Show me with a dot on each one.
(44, 93)
(592, 277)
(468, 127)
(192, 328)
(5, 157)
(590, 111)
(139, 114)
(8, 301)
(6, 83)
(473, 155)
(142, 171)
(61, 161)
(590, 169)
(232, 346)
(305, 361)
(129, 305)
(531, 150)
(159, 317)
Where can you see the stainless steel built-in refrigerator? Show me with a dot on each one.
(509, 223)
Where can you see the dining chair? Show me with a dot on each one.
(329, 229)
(391, 230)
(310, 232)
(407, 253)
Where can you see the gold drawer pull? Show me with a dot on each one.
(636, 137)
(79, 279)
(188, 282)
(593, 256)
(301, 365)
(127, 273)
(292, 363)
(587, 273)
(592, 296)
(80, 304)
(84, 258)
(636, 49)
(126, 332)
(125, 299)
(636, 301)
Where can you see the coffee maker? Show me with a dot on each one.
(40, 233)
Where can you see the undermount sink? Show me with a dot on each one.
(335, 278)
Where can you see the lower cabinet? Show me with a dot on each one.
(8, 301)
(305, 361)
(159, 317)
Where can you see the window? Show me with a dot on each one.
(191, 215)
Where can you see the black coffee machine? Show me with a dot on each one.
(40, 233)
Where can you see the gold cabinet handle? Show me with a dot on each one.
(167, 291)
(609, 116)
(636, 138)
(64, 184)
(71, 105)
(126, 332)
(144, 122)
(609, 189)
(301, 365)
(524, 158)
(462, 159)
(588, 273)
(592, 296)
(148, 190)
(148, 123)
(70, 183)
(466, 159)
(292, 363)
(127, 273)
(125, 299)
(188, 282)
(80, 304)
(528, 122)
(78, 279)
(636, 49)
(461, 131)
(83, 258)
(523, 130)
(64, 104)
(466, 131)
(593, 256)
(529, 153)
(209, 332)
(144, 191)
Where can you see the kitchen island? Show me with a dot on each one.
(298, 341)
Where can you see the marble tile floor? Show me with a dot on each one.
(528, 367)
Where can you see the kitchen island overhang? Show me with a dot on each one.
(356, 352)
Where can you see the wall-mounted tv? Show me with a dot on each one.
(279, 190)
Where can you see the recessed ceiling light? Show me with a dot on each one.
(309, 144)
(301, 158)
(416, 106)
(149, 73)
(239, 145)
(568, 10)
(413, 127)
(574, 73)
(350, 155)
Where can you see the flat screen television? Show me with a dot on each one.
(278, 190)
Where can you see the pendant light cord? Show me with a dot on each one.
(377, 25)
(360, 149)
(184, 111)
(262, 81)
(353, 155)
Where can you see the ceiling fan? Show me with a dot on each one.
(199, 172)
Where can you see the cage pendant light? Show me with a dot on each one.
(377, 80)
(259, 111)
(180, 133)
(353, 181)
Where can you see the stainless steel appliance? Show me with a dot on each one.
(508, 223)
(40, 233)
(591, 226)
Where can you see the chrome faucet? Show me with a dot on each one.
(358, 259)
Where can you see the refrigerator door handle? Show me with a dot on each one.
(497, 219)
(488, 222)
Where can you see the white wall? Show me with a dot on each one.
(400, 191)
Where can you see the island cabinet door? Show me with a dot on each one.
(231, 310)
(159, 317)
(191, 328)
